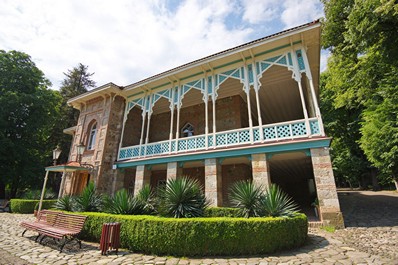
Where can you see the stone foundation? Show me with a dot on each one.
(326, 188)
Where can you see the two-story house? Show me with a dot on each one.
(246, 113)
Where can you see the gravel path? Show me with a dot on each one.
(371, 237)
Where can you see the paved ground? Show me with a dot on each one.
(371, 237)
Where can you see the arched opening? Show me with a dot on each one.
(192, 114)
(132, 127)
(231, 106)
(160, 121)
(279, 96)
(91, 135)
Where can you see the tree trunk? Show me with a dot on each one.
(395, 179)
(375, 183)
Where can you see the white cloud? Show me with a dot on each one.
(124, 41)
(297, 12)
(258, 11)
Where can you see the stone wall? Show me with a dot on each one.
(232, 174)
(326, 188)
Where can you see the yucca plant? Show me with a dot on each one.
(66, 203)
(276, 203)
(245, 196)
(89, 200)
(182, 198)
(146, 198)
(123, 203)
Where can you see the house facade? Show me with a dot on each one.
(247, 113)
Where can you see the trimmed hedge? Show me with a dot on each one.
(28, 206)
(201, 236)
(221, 212)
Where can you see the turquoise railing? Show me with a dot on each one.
(270, 132)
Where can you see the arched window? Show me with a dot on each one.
(187, 130)
(91, 137)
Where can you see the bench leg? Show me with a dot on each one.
(41, 238)
(63, 244)
(24, 232)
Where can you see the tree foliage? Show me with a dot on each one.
(360, 85)
(77, 81)
(28, 112)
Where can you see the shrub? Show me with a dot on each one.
(146, 198)
(28, 206)
(182, 197)
(123, 203)
(36, 194)
(89, 200)
(202, 236)
(245, 196)
(221, 212)
(66, 203)
(276, 203)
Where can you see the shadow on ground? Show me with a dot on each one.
(70, 247)
(369, 209)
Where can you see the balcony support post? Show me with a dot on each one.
(178, 116)
(256, 89)
(314, 97)
(171, 117)
(142, 178)
(213, 182)
(174, 171)
(213, 99)
(206, 101)
(126, 113)
(297, 77)
(246, 88)
(149, 119)
(143, 125)
(260, 171)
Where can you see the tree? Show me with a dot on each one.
(363, 38)
(77, 81)
(28, 112)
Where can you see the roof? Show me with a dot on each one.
(187, 69)
(228, 51)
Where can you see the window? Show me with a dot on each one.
(91, 137)
(187, 130)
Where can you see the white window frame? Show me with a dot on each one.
(92, 137)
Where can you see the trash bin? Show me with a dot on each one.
(110, 238)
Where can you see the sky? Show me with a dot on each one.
(125, 41)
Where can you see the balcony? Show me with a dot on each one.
(271, 133)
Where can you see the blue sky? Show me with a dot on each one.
(124, 41)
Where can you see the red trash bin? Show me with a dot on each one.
(110, 238)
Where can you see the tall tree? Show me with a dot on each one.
(363, 38)
(28, 112)
(77, 81)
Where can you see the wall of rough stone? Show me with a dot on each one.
(111, 180)
(232, 174)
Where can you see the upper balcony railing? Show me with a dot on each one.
(271, 132)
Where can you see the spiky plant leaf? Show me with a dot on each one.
(245, 196)
(122, 203)
(65, 203)
(277, 203)
(182, 198)
(146, 198)
(89, 200)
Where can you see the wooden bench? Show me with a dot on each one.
(57, 225)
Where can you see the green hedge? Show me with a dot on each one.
(28, 206)
(221, 212)
(202, 236)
